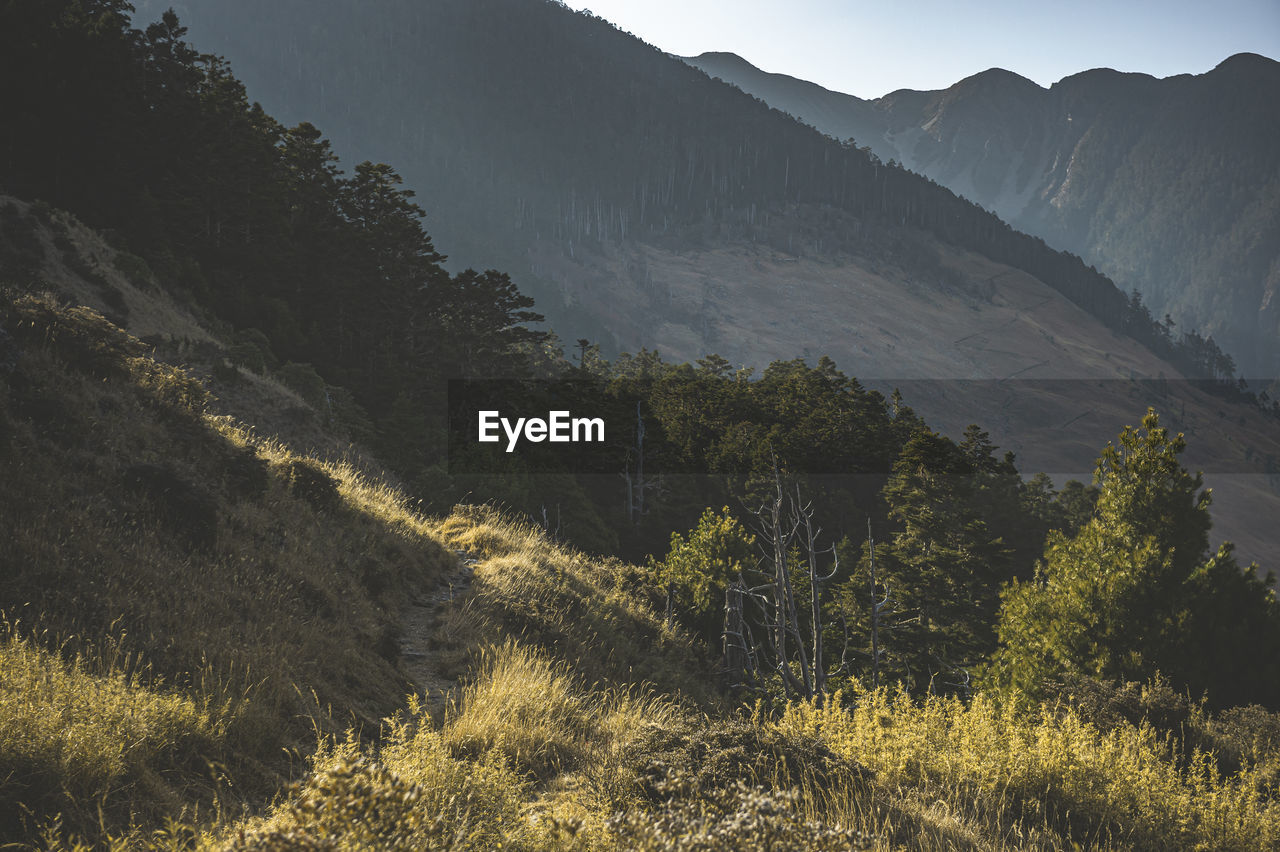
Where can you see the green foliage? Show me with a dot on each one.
(1137, 590)
(945, 565)
(702, 564)
(306, 382)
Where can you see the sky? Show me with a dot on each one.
(872, 48)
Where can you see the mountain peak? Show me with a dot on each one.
(1247, 60)
(718, 56)
(1250, 65)
(998, 77)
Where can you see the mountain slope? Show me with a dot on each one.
(521, 123)
(627, 192)
(1169, 186)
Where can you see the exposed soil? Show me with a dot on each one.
(420, 620)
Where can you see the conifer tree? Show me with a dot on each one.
(1137, 590)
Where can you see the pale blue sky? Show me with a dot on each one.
(871, 48)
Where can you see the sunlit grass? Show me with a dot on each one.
(1047, 772)
(73, 737)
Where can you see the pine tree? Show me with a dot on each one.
(945, 564)
(1136, 590)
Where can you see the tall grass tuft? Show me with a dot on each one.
(78, 741)
(524, 707)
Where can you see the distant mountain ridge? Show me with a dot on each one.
(1169, 186)
(525, 125)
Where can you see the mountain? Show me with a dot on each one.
(1169, 186)
(645, 205)
(524, 125)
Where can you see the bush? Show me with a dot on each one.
(740, 817)
(407, 794)
(309, 481)
(134, 268)
(716, 756)
(82, 338)
(306, 382)
(247, 355)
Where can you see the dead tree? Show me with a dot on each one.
(786, 520)
(637, 484)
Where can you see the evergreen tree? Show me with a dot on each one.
(1136, 589)
(945, 564)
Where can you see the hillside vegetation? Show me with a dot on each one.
(1169, 186)
(196, 617)
(247, 602)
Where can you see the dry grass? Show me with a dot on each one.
(262, 588)
(89, 733)
(1047, 778)
(598, 616)
(127, 507)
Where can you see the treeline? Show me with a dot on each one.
(142, 136)
(813, 515)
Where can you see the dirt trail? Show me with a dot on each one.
(419, 618)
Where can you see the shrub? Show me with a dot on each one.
(83, 339)
(309, 481)
(410, 793)
(247, 355)
(716, 756)
(740, 817)
(306, 382)
(134, 268)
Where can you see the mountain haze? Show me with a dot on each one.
(1169, 186)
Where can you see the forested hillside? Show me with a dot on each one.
(1170, 187)
(525, 123)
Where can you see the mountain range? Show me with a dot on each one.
(644, 204)
(1169, 186)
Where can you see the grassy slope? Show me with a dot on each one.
(196, 615)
